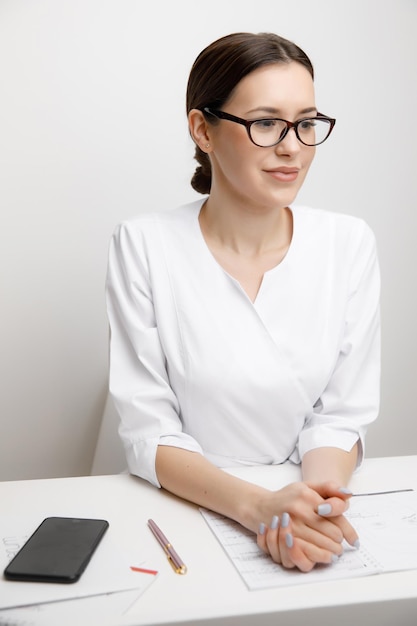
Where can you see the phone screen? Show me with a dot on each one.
(58, 551)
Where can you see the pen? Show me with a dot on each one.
(381, 493)
(176, 562)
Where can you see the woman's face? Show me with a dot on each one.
(263, 178)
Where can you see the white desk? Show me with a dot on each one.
(212, 592)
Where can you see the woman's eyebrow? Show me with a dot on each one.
(273, 111)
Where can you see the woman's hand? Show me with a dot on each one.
(278, 541)
(335, 504)
(312, 526)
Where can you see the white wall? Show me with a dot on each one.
(93, 130)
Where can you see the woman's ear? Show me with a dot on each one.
(199, 129)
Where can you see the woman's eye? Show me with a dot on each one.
(307, 124)
(265, 124)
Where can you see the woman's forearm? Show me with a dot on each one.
(192, 477)
(323, 464)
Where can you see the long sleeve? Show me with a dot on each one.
(350, 401)
(139, 382)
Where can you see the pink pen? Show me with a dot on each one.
(176, 562)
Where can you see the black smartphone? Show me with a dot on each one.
(58, 551)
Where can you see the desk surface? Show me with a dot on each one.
(212, 592)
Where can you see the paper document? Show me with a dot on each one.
(79, 612)
(387, 529)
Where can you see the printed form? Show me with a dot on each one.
(387, 529)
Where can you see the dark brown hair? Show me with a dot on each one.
(220, 67)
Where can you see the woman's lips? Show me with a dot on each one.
(284, 174)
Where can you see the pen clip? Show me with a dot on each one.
(176, 563)
(182, 569)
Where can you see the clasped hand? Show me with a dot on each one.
(309, 528)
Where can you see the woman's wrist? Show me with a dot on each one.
(255, 507)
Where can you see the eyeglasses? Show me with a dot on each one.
(267, 132)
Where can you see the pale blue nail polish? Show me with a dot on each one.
(285, 520)
(261, 529)
(324, 509)
(335, 558)
(357, 544)
(345, 490)
(274, 522)
(289, 540)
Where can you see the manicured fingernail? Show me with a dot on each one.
(274, 522)
(324, 509)
(335, 558)
(285, 520)
(261, 529)
(345, 490)
(357, 544)
(289, 540)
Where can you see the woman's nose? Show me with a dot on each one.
(290, 144)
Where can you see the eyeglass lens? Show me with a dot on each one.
(269, 132)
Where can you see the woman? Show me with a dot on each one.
(244, 329)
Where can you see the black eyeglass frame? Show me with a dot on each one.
(248, 123)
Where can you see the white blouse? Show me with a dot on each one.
(195, 364)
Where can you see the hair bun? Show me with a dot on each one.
(201, 181)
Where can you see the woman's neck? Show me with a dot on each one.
(250, 232)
